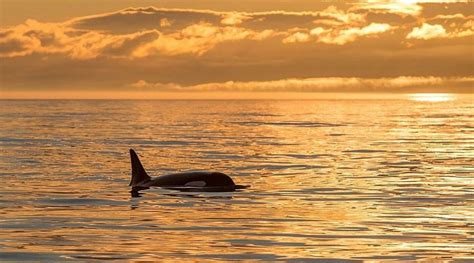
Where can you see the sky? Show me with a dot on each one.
(184, 48)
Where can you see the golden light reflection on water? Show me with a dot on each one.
(329, 179)
(432, 97)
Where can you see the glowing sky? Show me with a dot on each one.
(246, 46)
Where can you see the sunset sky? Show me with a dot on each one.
(110, 47)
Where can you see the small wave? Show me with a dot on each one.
(364, 151)
(289, 123)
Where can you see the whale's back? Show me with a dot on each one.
(201, 179)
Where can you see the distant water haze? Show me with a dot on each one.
(363, 179)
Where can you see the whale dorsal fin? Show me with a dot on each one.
(139, 174)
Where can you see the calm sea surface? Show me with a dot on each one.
(330, 179)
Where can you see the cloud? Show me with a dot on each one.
(450, 17)
(143, 85)
(297, 37)
(428, 31)
(394, 7)
(139, 19)
(333, 84)
(337, 37)
(344, 17)
(33, 36)
(148, 31)
(135, 19)
(349, 35)
(56, 38)
(234, 18)
(307, 50)
(403, 7)
(165, 22)
(197, 39)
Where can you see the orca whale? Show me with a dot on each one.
(188, 181)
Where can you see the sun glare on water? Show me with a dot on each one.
(432, 97)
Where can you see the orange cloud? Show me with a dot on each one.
(428, 31)
(344, 17)
(398, 84)
(50, 38)
(395, 7)
(24, 39)
(337, 37)
(56, 38)
(143, 32)
(197, 39)
(234, 18)
(187, 47)
(165, 22)
(348, 35)
(297, 37)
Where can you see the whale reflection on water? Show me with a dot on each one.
(185, 182)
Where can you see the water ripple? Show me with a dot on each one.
(331, 181)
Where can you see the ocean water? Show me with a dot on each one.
(350, 180)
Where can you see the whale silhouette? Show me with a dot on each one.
(188, 181)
